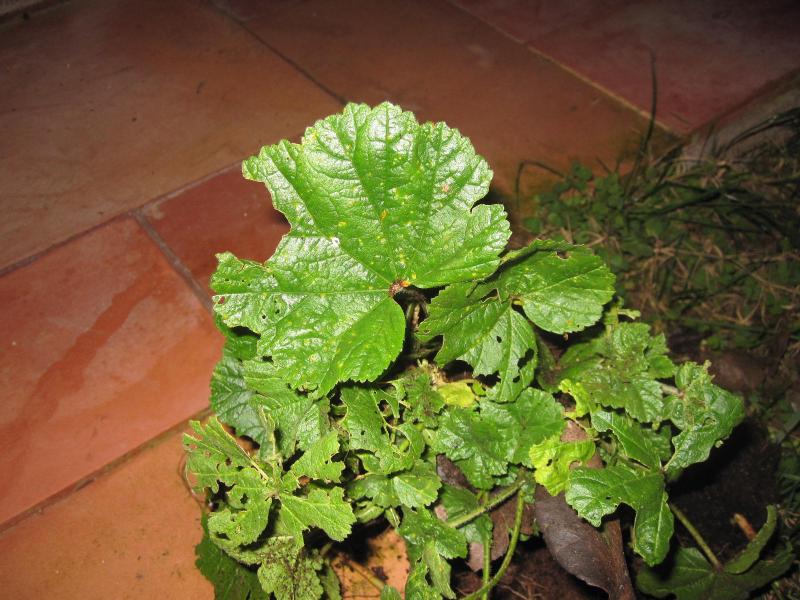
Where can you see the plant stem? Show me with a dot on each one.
(371, 578)
(498, 498)
(512, 546)
(712, 558)
(487, 564)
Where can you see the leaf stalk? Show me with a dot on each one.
(681, 516)
(512, 547)
(498, 498)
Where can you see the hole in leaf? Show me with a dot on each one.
(499, 339)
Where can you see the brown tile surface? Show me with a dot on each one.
(710, 56)
(104, 346)
(108, 104)
(525, 20)
(225, 212)
(130, 534)
(444, 64)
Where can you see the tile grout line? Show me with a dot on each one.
(69, 490)
(572, 72)
(243, 25)
(174, 261)
(26, 260)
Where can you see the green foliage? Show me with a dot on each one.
(336, 425)
(710, 243)
(692, 577)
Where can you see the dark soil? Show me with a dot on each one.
(533, 574)
(740, 477)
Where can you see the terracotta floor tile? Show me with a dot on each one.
(108, 104)
(435, 59)
(710, 56)
(130, 534)
(525, 20)
(104, 346)
(226, 212)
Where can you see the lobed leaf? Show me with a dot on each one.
(705, 414)
(620, 370)
(366, 193)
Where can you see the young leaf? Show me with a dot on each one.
(368, 431)
(552, 458)
(619, 370)
(594, 493)
(232, 580)
(457, 393)
(366, 194)
(287, 572)
(705, 413)
(633, 441)
(486, 333)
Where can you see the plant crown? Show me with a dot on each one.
(391, 327)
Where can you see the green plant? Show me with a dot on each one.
(710, 244)
(390, 340)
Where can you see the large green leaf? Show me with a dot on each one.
(561, 288)
(594, 493)
(481, 325)
(375, 202)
